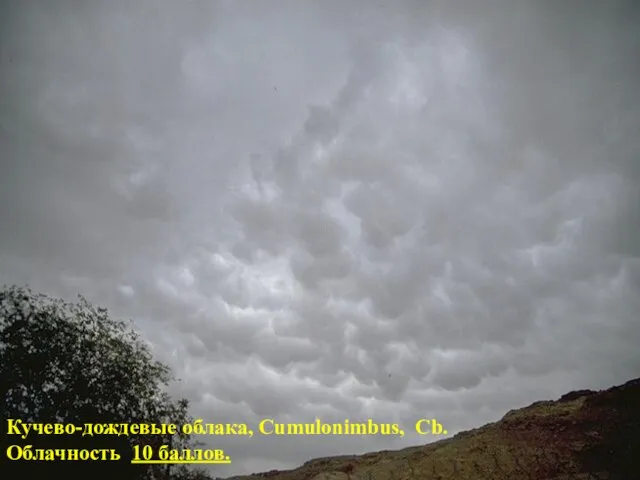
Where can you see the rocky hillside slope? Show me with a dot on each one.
(582, 435)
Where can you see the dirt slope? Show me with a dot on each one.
(583, 435)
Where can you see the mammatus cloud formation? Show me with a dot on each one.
(335, 209)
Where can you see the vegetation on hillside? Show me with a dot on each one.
(583, 435)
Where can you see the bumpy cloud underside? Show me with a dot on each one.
(335, 209)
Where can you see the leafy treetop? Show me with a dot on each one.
(64, 362)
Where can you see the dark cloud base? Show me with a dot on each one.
(332, 210)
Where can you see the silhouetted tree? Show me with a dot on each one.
(71, 363)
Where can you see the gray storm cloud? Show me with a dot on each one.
(334, 209)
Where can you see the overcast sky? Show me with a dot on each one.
(334, 209)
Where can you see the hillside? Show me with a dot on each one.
(582, 435)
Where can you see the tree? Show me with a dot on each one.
(70, 363)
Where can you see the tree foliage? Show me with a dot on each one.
(66, 362)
